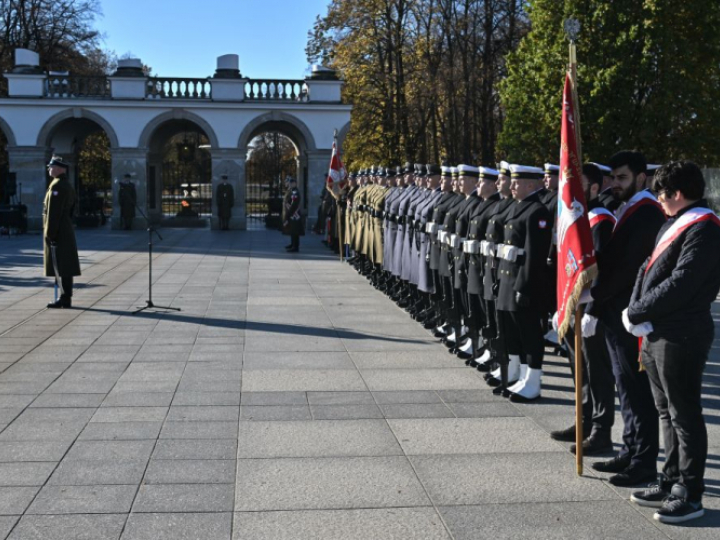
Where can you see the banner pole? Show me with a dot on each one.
(578, 391)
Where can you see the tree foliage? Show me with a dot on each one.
(61, 31)
(422, 74)
(648, 78)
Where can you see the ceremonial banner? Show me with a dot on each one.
(336, 175)
(576, 255)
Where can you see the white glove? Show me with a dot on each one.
(555, 321)
(637, 330)
(588, 325)
(585, 297)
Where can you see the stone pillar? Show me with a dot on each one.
(230, 161)
(318, 163)
(30, 165)
(134, 162)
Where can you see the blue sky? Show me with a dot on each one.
(183, 38)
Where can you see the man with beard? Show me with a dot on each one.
(638, 221)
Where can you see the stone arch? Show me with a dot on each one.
(342, 133)
(8, 132)
(287, 124)
(54, 122)
(177, 114)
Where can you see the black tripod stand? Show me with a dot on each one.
(149, 303)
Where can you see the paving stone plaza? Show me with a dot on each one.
(287, 400)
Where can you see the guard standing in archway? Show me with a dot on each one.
(225, 201)
(128, 200)
(61, 253)
(292, 219)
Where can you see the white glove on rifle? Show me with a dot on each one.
(555, 321)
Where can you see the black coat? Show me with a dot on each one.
(445, 266)
(447, 201)
(526, 227)
(494, 233)
(225, 199)
(677, 292)
(127, 196)
(462, 226)
(631, 243)
(292, 218)
(476, 231)
(58, 228)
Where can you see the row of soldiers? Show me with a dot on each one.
(470, 253)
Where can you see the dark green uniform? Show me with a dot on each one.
(59, 233)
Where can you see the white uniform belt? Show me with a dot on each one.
(471, 246)
(487, 248)
(510, 253)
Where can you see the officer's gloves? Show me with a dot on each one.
(588, 324)
(637, 330)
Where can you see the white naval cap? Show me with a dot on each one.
(526, 171)
(652, 167)
(454, 171)
(487, 173)
(503, 167)
(551, 169)
(468, 170)
(603, 168)
(446, 170)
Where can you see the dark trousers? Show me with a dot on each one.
(641, 432)
(598, 380)
(294, 241)
(66, 286)
(675, 372)
(530, 335)
(224, 222)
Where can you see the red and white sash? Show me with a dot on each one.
(642, 198)
(688, 219)
(600, 214)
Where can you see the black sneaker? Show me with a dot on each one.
(653, 496)
(615, 465)
(677, 509)
(632, 476)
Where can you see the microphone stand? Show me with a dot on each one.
(149, 304)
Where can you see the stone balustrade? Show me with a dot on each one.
(276, 90)
(72, 86)
(178, 88)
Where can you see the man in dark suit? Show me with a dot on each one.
(671, 308)
(127, 196)
(61, 254)
(292, 217)
(638, 221)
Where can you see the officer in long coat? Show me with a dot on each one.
(128, 199)
(225, 201)
(523, 277)
(60, 254)
(292, 219)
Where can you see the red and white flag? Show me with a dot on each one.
(576, 255)
(337, 176)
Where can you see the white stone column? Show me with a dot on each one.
(230, 161)
(131, 161)
(30, 165)
(318, 163)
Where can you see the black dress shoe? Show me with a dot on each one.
(568, 434)
(288, 246)
(62, 303)
(633, 476)
(517, 398)
(615, 465)
(595, 445)
(293, 250)
(462, 355)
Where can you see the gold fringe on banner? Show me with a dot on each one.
(584, 280)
